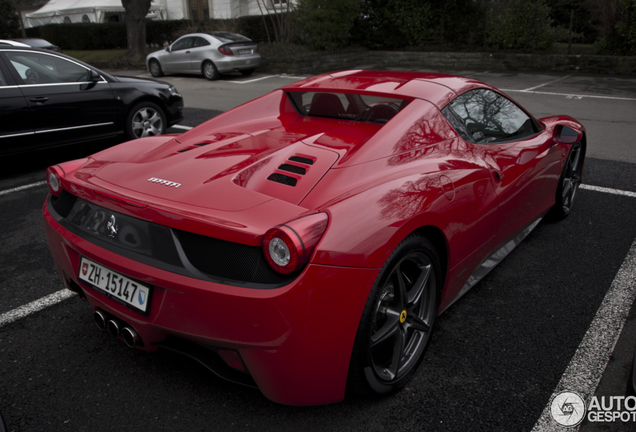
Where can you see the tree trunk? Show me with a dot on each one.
(136, 11)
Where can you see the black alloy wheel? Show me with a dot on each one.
(398, 319)
(569, 182)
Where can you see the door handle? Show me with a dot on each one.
(39, 100)
(188, 52)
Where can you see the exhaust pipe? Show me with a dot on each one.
(131, 337)
(100, 320)
(114, 327)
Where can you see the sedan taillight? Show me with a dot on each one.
(224, 49)
(288, 247)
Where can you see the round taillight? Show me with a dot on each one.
(53, 180)
(289, 247)
(281, 251)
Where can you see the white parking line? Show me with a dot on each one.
(182, 127)
(568, 95)
(253, 80)
(34, 306)
(19, 188)
(266, 77)
(608, 190)
(588, 364)
(548, 83)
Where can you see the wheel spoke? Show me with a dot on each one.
(567, 186)
(401, 295)
(388, 330)
(398, 353)
(416, 293)
(416, 323)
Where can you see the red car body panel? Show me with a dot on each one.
(377, 183)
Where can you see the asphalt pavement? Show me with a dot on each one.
(496, 358)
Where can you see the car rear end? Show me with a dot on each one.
(238, 53)
(187, 279)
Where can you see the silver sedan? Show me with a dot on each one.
(210, 54)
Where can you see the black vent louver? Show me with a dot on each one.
(283, 179)
(291, 168)
(301, 159)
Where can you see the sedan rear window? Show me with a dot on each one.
(361, 107)
(227, 37)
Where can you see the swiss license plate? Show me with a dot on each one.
(245, 51)
(132, 293)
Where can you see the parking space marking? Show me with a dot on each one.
(182, 127)
(608, 190)
(266, 77)
(568, 95)
(34, 306)
(19, 188)
(587, 366)
(253, 80)
(548, 83)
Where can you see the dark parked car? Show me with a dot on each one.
(39, 43)
(49, 99)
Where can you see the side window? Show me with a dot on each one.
(36, 68)
(483, 116)
(182, 44)
(199, 42)
(3, 81)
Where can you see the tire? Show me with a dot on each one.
(396, 324)
(247, 72)
(569, 182)
(145, 119)
(155, 68)
(209, 71)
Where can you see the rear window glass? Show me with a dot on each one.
(227, 37)
(370, 108)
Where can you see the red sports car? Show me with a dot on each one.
(306, 241)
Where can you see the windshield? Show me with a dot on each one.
(370, 108)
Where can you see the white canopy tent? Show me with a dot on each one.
(77, 11)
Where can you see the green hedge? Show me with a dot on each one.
(113, 35)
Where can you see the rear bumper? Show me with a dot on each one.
(295, 341)
(232, 63)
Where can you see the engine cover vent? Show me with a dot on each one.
(293, 168)
(301, 159)
(283, 179)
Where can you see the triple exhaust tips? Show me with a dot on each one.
(117, 328)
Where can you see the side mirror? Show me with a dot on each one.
(168, 48)
(94, 76)
(567, 135)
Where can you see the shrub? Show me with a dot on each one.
(326, 24)
(521, 25)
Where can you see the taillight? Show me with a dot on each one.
(224, 49)
(54, 176)
(288, 247)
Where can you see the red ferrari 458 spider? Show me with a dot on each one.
(306, 241)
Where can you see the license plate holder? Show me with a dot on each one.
(115, 285)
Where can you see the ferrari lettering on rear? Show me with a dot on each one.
(164, 182)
